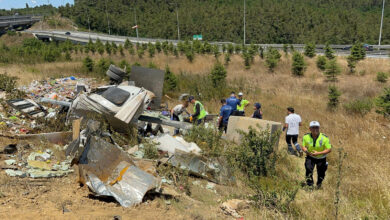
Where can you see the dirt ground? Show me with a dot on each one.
(65, 198)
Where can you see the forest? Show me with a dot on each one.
(267, 21)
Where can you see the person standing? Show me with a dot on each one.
(233, 101)
(258, 113)
(199, 111)
(243, 104)
(224, 114)
(292, 123)
(177, 111)
(317, 146)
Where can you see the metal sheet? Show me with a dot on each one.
(150, 79)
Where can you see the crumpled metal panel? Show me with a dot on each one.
(129, 188)
(100, 158)
(215, 170)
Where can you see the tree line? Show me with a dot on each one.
(267, 21)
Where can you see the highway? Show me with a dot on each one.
(10, 22)
(83, 38)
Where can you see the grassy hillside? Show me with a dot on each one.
(268, 21)
(365, 183)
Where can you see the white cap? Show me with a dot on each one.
(240, 94)
(314, 124)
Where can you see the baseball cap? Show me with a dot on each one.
(240, 94)
(191, 98)
(314, 124)
(257, 105)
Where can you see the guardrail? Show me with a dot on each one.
(83, 37)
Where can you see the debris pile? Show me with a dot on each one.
(107, 168)
(36, 164)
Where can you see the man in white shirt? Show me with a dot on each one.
(178, 110)
(292, 123)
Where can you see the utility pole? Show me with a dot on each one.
(135, 20)
(108, 20)
(244, 19)
(380, 30)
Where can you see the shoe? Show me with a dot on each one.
(300, 153)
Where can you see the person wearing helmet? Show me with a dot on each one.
(243, 103)
(258, 113)
(199, 111)
(317, 146)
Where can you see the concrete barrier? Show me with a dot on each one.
(243, 123)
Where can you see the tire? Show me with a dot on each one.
(118, 71)
(114, 76)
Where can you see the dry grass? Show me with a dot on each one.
(366, 177)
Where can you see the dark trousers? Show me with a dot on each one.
(223, 127)
(175, 118)
(322, 166)
(294, 139)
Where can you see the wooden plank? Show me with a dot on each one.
(76, 128)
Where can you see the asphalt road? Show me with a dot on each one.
(83, 38)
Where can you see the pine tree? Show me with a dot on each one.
(170, 80)
(332, 70)
(88, 64)
(230, 49)
(310, 50)
(127, 44)
(285, 49)
(321, 62)
(333, 96)
(298, 65)
(351, 63)
(329, 52)
(218, 75)
(158, 46)
(382, 103)
(227, 59)
(151, 49)
(216, 51)
(120, 48)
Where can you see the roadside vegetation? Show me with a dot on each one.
(353, 110)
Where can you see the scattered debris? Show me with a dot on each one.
(9, 149)
(15, 173)
(10, 162)
(170, 144)
(233, 206)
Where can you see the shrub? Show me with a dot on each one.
(68, 57)
(108, 48)
(158, 46)
(152, 65)
(359, 106)
(310, 50)
(190, 55)
(333, 96)
(218, 75)
(140, 52)
(298, 65)
(7, 83)
(247, 60)
(103, 65)
(216, 52)
(382, 103)
(127, 44)
(230, 49)
(208, 139)
(237, 49)
(227, 58)
(150, 150)
(256, 155)
(382, 77)
(285, 49)
(125, 66)
(151, 50)
(358, 52)
(332, 69)
(121, 52)
(321, 62)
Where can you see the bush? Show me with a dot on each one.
(333, 95)
(358, 52)
(310, 50)
(383, 103)
(227, 58)
(218, 75)
(68, 57)
(321, 62)
(230, 49)
(190, 55)
(125, 66)
(208, 139)
(298, 65)
(140, 52)
(382, 77)
(103, 65)
(247, 60)
(151, 50)
(359, 106)
(7, 83)
(256, 155)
